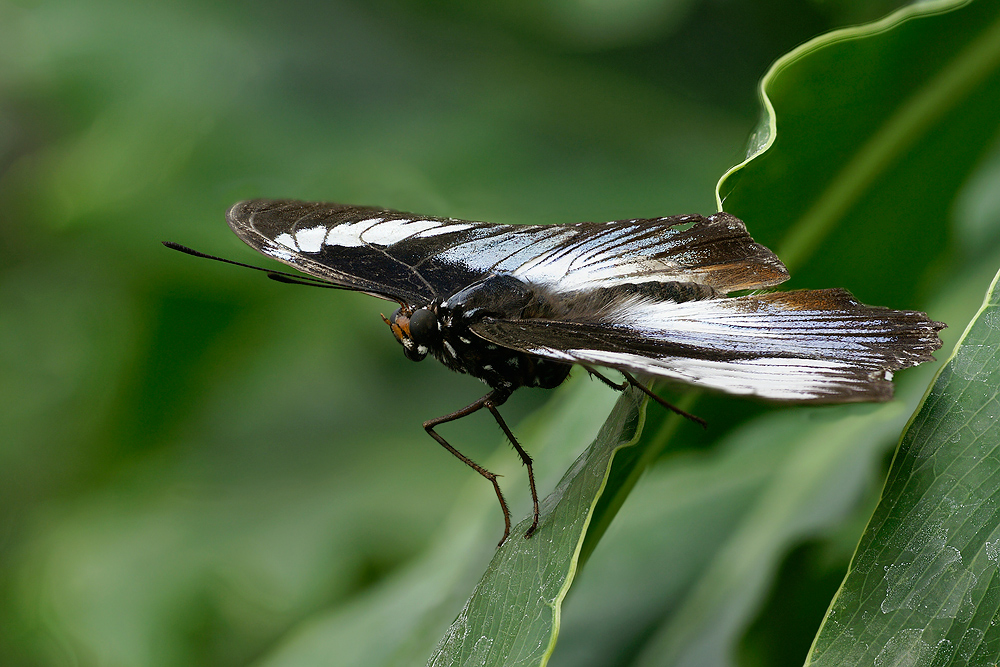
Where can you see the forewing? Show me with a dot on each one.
(413, 258)
(378, 251)
(809, 345)
(716, 251)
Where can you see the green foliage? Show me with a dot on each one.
(932, 542)
(199, 467)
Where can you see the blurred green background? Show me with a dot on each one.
(195, 460)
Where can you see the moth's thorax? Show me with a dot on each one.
(442, 329)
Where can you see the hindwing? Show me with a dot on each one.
(806, 345)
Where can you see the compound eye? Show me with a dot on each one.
(423, 327)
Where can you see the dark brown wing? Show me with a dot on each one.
(412, 258)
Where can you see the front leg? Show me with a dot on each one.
(490, 401)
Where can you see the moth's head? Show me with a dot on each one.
(416, 330)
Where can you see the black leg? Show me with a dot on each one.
(629, 380)
(617, 387)
(525, 459)
(490, 401)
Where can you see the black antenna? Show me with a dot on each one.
(279, 276)
(290, 279)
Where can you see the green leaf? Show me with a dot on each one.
(512, 617)
(923, 587)
(877, 116)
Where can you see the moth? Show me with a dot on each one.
(519, 305)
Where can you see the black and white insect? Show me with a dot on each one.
(519, 305)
